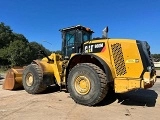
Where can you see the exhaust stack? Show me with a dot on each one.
(105, 32)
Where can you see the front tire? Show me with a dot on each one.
(33, 79)
(87, 84)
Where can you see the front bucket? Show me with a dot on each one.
(13, 79)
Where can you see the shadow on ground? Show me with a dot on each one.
(139, 97)
(50, 89)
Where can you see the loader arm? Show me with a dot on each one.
(52, 67)
(13, 79)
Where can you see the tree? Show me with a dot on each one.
(20, 37)
(15, 50)
(19, 53)
(35, 48)
(4, 57)
(156, 57)
(6, 35)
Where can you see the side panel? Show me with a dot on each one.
(122, 55)
(96, 59)
(101, 49)
(126, 58)
(125, 85)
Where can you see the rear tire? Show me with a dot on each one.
(87, 84)
(33, 79)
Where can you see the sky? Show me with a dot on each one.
(40, 20)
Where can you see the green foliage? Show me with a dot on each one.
(4, 56)
(7, 38)
(18, 53)
(35, 48)
(156, 57)
(6, 35)
(20, 37)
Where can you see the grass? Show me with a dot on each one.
(2, 71)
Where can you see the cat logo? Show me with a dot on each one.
(88, 48)
(94, 47)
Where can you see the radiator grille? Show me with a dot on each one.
(118, 59)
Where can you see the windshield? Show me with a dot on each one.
(86, 36)
(70, 39)
(73, 40)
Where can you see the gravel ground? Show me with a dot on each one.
(54, 105)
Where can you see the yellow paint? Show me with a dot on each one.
(126, 84)
(122, 57)
(29, 79)
(17, 74)
(146, 77)
(53, 67)
(131, 55)
(132, 63)
(82, 85)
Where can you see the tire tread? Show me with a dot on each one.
(39, 86)
(103, 82)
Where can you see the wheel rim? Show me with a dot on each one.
(29, 79)
(82, 85)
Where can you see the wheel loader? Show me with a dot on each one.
(87, 68)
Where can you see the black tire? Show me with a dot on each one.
(37, 85)
(98, 84)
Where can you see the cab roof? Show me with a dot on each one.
(79, 27)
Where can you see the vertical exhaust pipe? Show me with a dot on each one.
(105, 32)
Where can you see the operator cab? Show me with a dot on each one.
(73, 39)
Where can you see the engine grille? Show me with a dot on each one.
(118, 59)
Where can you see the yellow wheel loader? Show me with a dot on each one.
(88, 67)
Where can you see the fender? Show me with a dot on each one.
(79, 57)
(51, 69)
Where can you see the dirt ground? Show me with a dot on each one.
(54, 105)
